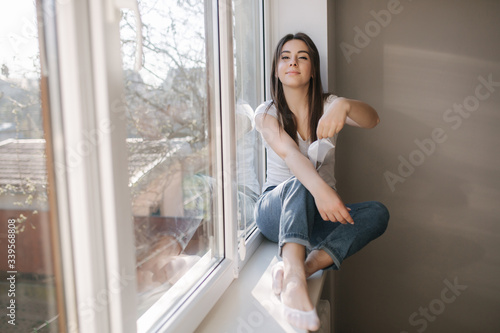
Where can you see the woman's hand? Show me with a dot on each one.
(331, 207)
(346, 111)
(334, 119)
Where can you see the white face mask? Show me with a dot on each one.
(318, 150)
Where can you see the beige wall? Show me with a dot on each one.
(418, 69)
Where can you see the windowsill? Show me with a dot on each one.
(249, 305)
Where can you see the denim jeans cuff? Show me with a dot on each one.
(294, 239)
(336, 261)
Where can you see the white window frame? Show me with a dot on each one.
(255, 238)
(102, 292)
(93, 199)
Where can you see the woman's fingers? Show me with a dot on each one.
(328, 131)
(339, 218)
(328, 216)
(330, 124)
(348, 217)
(324, 216)
(340, 215)
(331, 208)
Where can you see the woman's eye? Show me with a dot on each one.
(285, 58)
(305, 58)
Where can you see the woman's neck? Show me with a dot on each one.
(297, 101)
(299, 105)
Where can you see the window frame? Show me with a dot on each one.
(99, 294)
(93, 203)
(253, 237)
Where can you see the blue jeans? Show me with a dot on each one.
(287, 213)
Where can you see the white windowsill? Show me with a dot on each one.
(249, 305)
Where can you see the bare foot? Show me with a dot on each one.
(294, 293)
(298, 308)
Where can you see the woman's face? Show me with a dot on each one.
(294, 65)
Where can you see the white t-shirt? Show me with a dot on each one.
(278, 171)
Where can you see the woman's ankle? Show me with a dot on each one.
(311, 265)
(316, 260)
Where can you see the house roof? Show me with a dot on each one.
(24, 161)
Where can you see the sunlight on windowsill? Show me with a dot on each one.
(249, 304)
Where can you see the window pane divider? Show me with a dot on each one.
(58, 196)
(110, 137)
(227, 114)
(101, 225)
(80, 166)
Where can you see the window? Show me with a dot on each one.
(153, 171)
(171, 142)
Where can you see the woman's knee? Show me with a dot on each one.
(267, 215)
(381, 215)
(293, 187)
(268, 227)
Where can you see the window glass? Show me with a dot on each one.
(248, 93)
(171, 140)
(27, 282)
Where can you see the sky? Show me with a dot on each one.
(18, 37)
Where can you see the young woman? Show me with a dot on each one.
(300, 208)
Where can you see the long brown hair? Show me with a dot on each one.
(286, 118)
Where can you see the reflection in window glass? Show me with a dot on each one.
(171, 148)
(27, 283)
(248, 92)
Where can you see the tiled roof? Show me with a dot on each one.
(23, 161)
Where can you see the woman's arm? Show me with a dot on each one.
(327, 200)
(346, 111)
